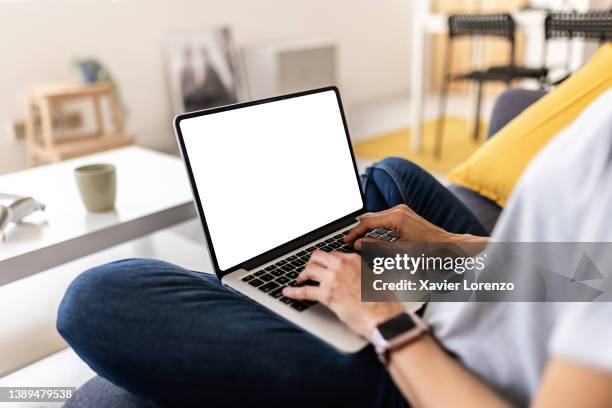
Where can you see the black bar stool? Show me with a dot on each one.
(500, 25)
(588, 26)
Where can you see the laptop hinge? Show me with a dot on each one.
(300, 242)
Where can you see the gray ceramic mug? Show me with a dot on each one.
(97, 185)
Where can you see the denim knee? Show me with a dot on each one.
(386, 183)
(399, 169)
(397, 164)
(93, 289)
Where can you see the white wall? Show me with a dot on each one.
(39, 39)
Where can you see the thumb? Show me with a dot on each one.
(366, 223)
(366, 240)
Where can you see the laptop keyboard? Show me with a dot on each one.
(274, 278)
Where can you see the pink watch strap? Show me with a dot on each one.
(384, 346)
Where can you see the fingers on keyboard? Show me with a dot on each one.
(274, 278)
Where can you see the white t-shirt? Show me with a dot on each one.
(565, 195)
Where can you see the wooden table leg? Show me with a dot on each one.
(46, 124)
(116, 112)
(417, 85)
(30, 134)
(99, 116)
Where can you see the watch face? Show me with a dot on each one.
(396, 326)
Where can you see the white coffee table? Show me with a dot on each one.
(152, 193)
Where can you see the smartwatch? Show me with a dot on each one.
(396, 332)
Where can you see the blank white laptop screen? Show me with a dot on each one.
(267, 174)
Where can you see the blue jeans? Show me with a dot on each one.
(174, 337)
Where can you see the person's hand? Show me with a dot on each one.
(407, 224)
(339, 289)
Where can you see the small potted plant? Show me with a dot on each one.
(92, 70)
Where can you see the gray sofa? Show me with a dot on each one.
(508, 105)
(100, 393)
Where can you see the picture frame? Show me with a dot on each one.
(203, 69)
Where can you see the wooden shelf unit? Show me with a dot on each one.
(42, 143)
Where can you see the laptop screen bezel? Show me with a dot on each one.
(284, 248)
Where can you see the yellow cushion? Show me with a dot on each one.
(495, 167)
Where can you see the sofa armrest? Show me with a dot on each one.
(485, 210)
(100, 393)
(509, 104)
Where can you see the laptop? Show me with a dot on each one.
(274, 180)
